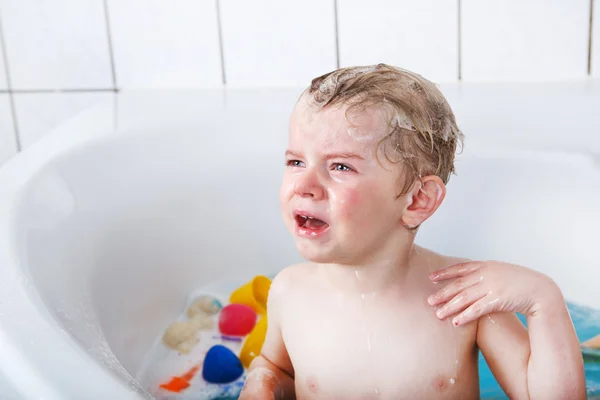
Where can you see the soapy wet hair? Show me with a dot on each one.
(422, 132)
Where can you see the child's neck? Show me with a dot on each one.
(389, 267)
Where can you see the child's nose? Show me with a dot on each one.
(309, 185)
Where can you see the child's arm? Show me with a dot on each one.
(548, 358)
(271, 375)
(543, 362)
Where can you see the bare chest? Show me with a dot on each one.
(367, 348)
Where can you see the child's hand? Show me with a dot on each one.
(480, 288)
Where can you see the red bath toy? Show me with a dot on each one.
(237, 320)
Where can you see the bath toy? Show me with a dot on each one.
(203, 321)
(253, 344)
(179, 383)
(208, 305)
(253, 294)
(236, 320)
(593, 343)
(182, 335)
(221, 365)
(176, 384)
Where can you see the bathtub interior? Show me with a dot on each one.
(115, 233)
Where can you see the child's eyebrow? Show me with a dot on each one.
(343, 155)
(294, 154)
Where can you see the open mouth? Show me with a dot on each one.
(309, 224)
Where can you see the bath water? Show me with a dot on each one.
(161, 363)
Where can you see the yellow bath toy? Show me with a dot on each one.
(253, 343)
(253, 294)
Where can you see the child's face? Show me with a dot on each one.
(338, 201)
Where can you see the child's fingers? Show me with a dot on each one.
(452, 289)
(474, 312)
(455, 271)
(460, 302)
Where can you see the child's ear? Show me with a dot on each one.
(423, 200)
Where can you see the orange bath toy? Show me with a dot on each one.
(179, 383)
(253, 294)
(253, 343)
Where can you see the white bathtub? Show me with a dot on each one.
(109, 221)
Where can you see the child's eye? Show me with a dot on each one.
(342, 167)
(294, 163)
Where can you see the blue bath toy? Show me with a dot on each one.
(221, 365)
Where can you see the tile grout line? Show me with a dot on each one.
(589, 61)
(13, 111)
(221, 46)
(337, 33)
(11, 99)
(459, 38)
(111, 55)
(25, 91)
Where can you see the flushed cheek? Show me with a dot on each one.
(345, 203)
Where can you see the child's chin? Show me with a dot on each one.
(316, 255)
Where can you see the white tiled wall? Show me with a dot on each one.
(171, 44)
(416, 35)
(8, 145)
(38, 113)
(277, 43)
(56, 44)
(524, 40)
(67, 45)
(596, 41)
(3, 84)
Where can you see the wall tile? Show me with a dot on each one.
(38, 113)
(524, 40)
(56, 44)
(8, 145)
(421, 36)
(3, 83)
(277, 43)
(596, 41)
(160, 43)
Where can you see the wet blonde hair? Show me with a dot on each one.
(422, 132)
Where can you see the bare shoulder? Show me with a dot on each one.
(437, 261)
(289, 278)
(446, 261)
